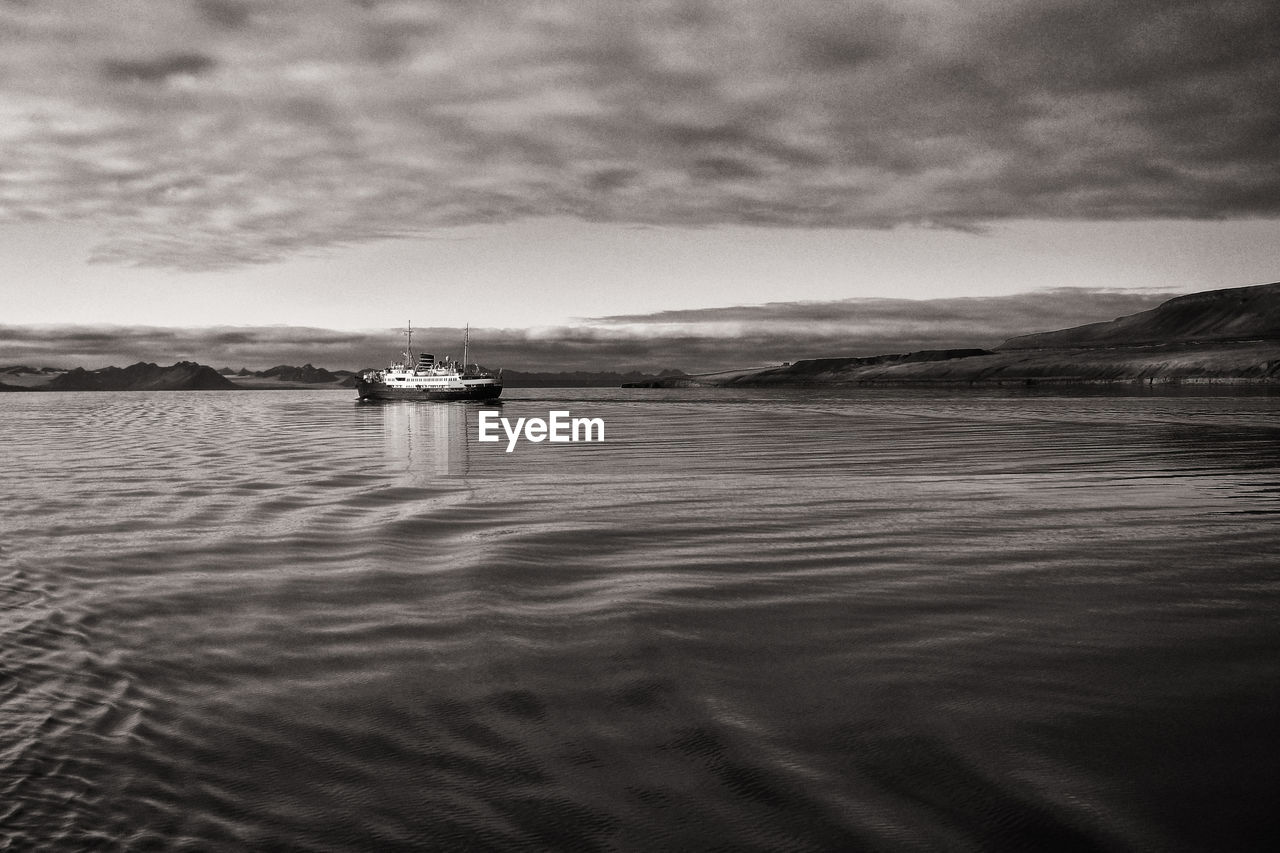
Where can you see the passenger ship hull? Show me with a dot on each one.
(425, 378)
(478, 389)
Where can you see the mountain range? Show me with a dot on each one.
(1227, 336)
(183, 376)
(188, 376)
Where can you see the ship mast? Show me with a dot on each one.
(408, 353)
(466, 339)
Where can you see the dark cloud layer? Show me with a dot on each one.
(157, 70)
(703, 340)
(215, 133)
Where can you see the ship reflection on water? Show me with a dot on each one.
(428, 438)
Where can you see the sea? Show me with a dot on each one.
(747, 620)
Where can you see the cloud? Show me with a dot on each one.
(157, 70)
(217, 133)
(697, 340)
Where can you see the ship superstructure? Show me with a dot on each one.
(423, 377)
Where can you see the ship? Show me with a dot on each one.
(423, 377)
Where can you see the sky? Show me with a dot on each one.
(590, 185)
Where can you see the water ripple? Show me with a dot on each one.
(773, 620)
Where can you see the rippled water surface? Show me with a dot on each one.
(746, 621)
